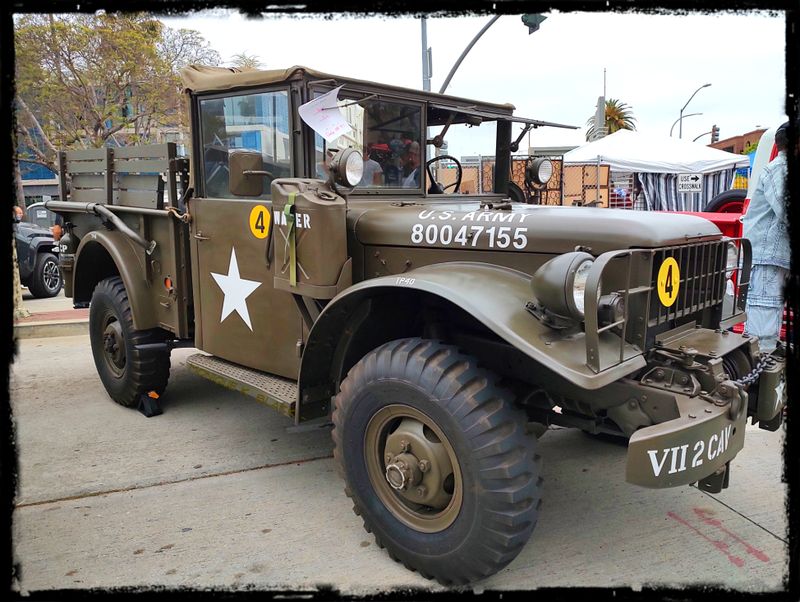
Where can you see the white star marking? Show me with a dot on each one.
(236, 291)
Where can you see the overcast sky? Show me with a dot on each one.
(653, 63)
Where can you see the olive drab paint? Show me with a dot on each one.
(310, 237)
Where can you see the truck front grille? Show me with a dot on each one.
(701, 283)
(634, 273)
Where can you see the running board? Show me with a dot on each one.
(278, 393)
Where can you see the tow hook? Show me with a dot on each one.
(728, 393)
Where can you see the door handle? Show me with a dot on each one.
(199, 236)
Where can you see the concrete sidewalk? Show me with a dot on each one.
(50, 317)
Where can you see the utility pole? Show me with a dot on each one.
(426, 62)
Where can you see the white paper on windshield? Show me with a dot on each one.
(324, 117)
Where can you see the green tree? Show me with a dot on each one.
(83, 81)
(619, 116)
(246, 61)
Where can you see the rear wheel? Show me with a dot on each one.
(46, 280)
(436, 460)
(126, 371)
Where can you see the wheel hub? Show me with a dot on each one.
(413, 468)
(114, 347)
(51, 275)
(403, 472)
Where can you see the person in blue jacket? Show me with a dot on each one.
(765, 224)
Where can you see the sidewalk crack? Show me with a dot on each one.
(174, 482)
(744, 516)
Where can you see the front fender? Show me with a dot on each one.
(493, 295)
(36, 245)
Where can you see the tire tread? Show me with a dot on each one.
(148, 370)
(508, 469)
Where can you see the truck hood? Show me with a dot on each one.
(535, 229)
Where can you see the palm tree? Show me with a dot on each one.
(619, 116)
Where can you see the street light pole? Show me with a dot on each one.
(680, 119)
(464, 54)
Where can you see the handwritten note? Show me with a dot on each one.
(324, 117)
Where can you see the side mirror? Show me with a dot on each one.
(247, 175)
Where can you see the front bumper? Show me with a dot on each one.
(686, 449)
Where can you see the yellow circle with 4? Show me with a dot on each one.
(668, 281)
(259, 221)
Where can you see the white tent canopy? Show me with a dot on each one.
(625, 150)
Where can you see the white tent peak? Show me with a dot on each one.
(626, 150)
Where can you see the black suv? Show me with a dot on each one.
(37, 254)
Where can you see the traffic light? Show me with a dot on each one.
(714, 134)
(533, 21)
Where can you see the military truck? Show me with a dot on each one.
(437, 332)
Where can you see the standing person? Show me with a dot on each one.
(372, 171)
(765, 225)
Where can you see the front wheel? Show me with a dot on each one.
(436, 460)
(126, 370)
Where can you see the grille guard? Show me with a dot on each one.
(702, 287)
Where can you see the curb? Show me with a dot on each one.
(38, 330)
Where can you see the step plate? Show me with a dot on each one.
(278, 393)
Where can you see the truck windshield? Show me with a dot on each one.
(255, 122)
(388, 134)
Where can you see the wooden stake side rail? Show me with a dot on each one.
(133, 176)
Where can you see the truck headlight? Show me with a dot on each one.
(732, 260)
(347, 167)
(560, 286)
(579, 285)
(539, 171)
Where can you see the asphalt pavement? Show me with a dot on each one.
(215, 493)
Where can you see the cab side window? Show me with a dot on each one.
(254, 122)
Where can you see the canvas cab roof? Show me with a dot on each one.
(201, 78)
(205, 79)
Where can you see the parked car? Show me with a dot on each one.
(37, 255)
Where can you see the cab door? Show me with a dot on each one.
(239, 316)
